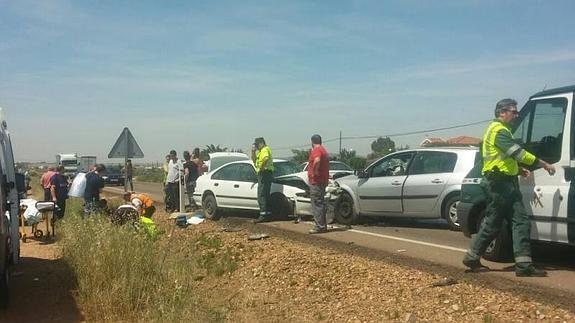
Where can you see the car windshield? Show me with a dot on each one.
(113, 170)
(339, 166)
(285, 168)
(69, 163)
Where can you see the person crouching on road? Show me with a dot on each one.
(59, 192)
(264, 164)
(143, 203)
(501, 159)
(145, 206)
(318, 177)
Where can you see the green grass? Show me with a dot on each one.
(122, 275)
(154, 175)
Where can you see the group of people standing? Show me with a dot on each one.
(190, 169)
(318, 177)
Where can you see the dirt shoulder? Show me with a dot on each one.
(41, 287)
(283, 279)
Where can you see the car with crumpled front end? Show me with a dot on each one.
(415, 183)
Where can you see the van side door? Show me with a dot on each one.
(545, 132)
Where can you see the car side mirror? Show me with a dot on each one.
(362, 174)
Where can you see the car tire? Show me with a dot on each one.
(500, 249)
(449, 212)
(280, 206)
(344, 212)
(210, 206)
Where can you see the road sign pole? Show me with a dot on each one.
(126, 161)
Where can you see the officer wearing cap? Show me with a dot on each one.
(265, 168)
(501, 159)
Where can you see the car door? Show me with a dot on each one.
(541, 128)
(380, 191)
(225, 183)
(245, 188)
(427, 178)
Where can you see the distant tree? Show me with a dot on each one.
(300, 155)
(211, 148)
(381, 147)
(349, 157)
(357, 162)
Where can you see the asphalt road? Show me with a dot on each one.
(428, 240)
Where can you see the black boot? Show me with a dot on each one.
(530, 271)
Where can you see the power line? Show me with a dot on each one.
(399, 134)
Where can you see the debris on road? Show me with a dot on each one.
(258, 236)
(444, 282)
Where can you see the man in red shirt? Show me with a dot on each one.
(318, 176)
(46, 184)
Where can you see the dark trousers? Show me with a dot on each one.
(130, 180)
(173, 193)
(47, 194)
(265, 179)
(318, 207)
(60, 209)
(504, 201)
(190, 188)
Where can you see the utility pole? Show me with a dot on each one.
(340, 145)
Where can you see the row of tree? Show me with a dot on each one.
(379, 148)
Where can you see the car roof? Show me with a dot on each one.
(564, 89)
(227, 154)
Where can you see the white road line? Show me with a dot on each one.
(408, 240)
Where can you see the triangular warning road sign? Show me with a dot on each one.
(126, 146)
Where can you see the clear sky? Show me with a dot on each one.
(182, 74)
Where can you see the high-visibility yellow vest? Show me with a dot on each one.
(500, 152)
(149, 226)
(262, 154)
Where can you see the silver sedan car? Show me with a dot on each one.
(416, 183)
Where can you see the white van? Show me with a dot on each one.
(9, 207)
(545, 126)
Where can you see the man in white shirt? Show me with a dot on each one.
(175, 168)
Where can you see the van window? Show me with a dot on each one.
(540, 128)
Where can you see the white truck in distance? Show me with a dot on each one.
(86, 162)
(70, 163)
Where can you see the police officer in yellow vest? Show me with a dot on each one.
(501, 159)
(265, 168)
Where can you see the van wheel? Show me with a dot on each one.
(449, 212)
(210, 206)
(280, 206)
(5, 289)
(343, 210)
(500, 249)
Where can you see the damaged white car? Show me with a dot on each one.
(235, 186)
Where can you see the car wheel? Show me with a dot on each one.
(500, 249)
(343, 210)
(210, 206)
(449, 212)
(280, 206)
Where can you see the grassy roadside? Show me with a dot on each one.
(123, 275)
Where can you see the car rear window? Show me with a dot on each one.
(431, 162)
